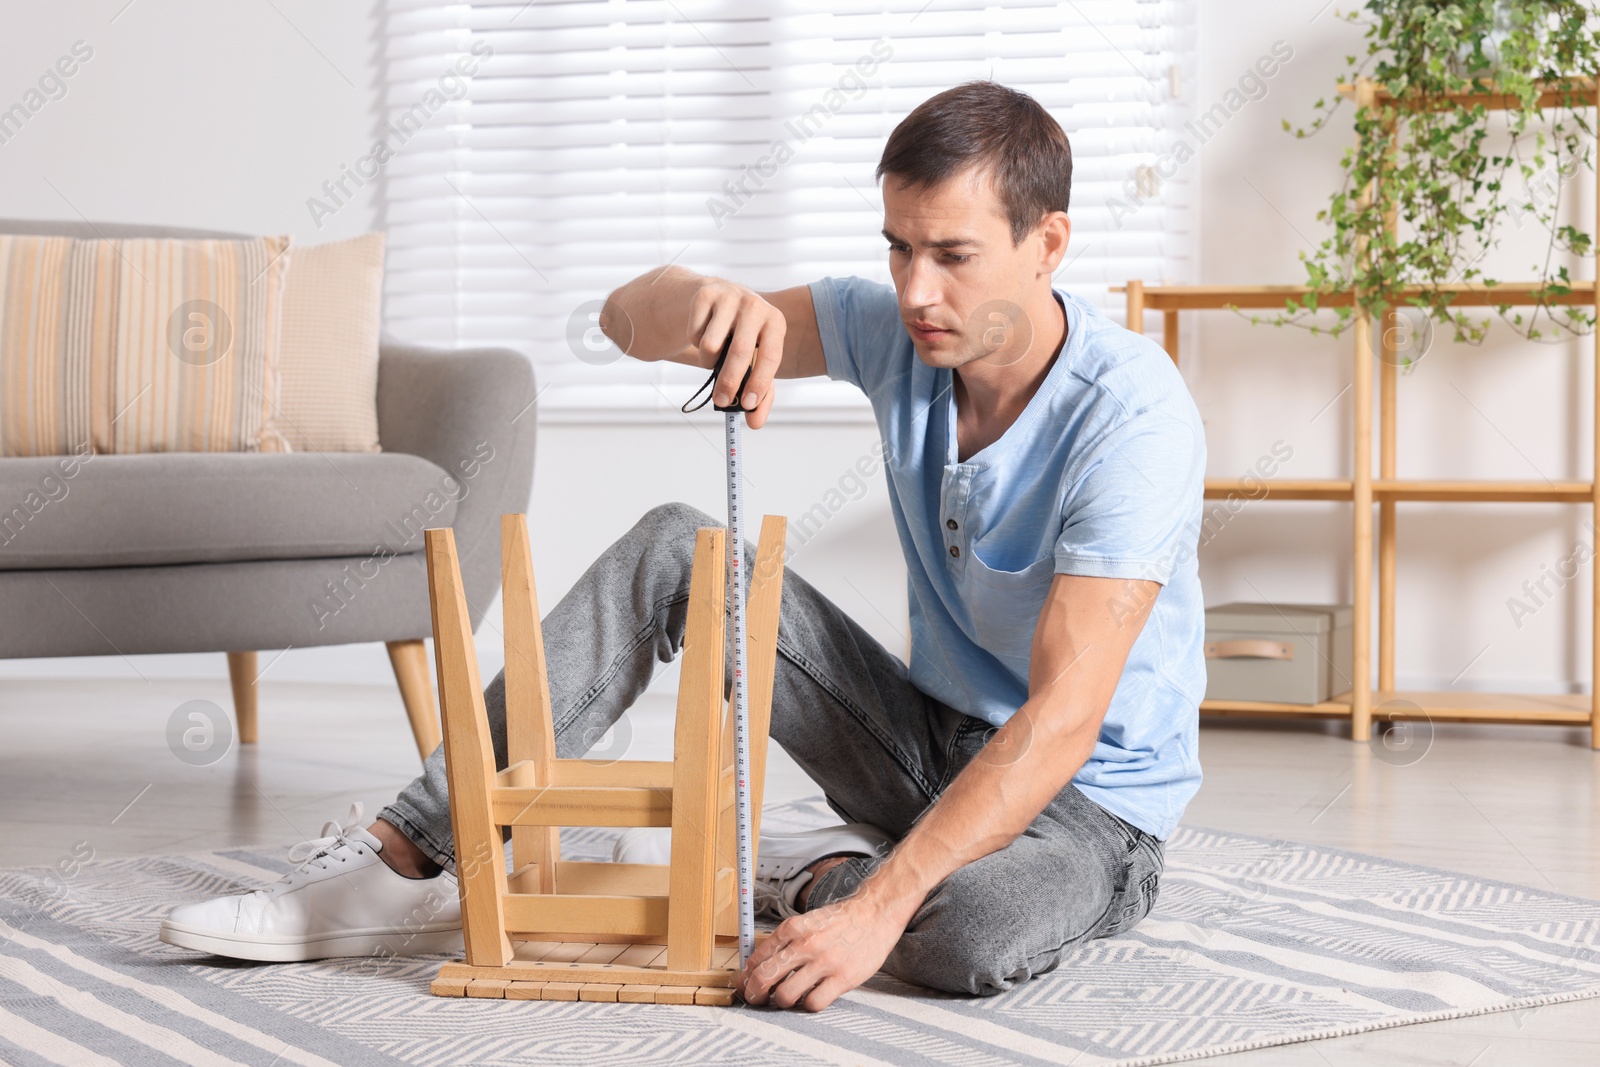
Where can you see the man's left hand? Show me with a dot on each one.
(813, 958)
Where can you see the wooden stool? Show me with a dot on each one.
(563, 930)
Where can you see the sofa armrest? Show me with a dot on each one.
(470, 411)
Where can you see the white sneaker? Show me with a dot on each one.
(342, 900)
(781, 858)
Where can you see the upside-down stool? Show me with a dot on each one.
(563, 930)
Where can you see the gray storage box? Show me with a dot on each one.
(1285, 653)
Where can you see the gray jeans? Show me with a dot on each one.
(845, 709)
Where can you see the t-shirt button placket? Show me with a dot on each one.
(951, 524)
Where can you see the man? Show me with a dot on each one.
(1006, 795)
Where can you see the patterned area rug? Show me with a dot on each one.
(1253, 942)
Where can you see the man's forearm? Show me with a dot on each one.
(1025, 764)
(648, 317)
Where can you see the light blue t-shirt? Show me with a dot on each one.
(1102, 474)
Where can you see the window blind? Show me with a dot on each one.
(543, 153)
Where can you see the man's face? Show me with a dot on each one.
(963, 286)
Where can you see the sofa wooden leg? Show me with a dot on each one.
(411, 670)
(242, 674)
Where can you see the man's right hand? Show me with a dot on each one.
(720, 307)
(678, 315)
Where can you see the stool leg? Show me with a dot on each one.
(761, 660)
(469, 760)
(530, 724)
(766, 595)
(697, 763)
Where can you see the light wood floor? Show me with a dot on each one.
(88, 760)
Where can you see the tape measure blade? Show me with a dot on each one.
(741, 705)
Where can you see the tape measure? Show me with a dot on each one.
(735, 596)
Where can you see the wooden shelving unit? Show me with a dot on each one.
(1387, 489)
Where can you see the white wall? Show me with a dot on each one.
(227, 116)
(231, 116)
(1508, 409)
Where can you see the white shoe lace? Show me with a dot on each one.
(318, 852)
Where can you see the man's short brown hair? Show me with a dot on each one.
(985, 124)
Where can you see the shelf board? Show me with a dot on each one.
(1551, 95)
(1456, 706)
(1200, 297)
(1478, 490)
(1465, 294)
(1280, 488)
(1338, 707)
(1438, 705)
(1422, 489)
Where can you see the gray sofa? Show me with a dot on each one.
(239, 552)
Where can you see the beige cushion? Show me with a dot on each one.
(332, 306)
(139, 344)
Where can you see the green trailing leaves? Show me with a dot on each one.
(1422, 149)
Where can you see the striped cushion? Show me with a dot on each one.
(332, 308)
(139, 344)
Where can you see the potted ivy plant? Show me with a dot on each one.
(1450, 173)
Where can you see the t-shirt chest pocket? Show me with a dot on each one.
(1005, 605)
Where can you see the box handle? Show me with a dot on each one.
(1249, 647)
